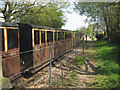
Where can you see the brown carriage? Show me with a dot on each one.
(40, 41)
(9, 39)
(26, 47)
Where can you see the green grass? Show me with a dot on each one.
(79, 60)
(110, 81)
(107, 59)
(69, 84)
(73, 75)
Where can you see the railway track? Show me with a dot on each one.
(30, 78)
(41, 77)
(25, 81)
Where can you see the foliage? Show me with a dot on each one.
(100, 37)
(14, 11)
(79, 60)
(83, 29)
(108, 61)
(105, 12)
(51, 17)
(77, 30)
(88, 31)
(10, 9)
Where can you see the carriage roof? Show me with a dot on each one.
(7, 24)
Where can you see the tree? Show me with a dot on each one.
(13, 10)
(10, 9)
(102, 12)
(88, 31)
(51, 17)
(82, 29)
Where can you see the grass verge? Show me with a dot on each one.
(108, 61)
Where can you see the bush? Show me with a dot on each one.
(100, 37)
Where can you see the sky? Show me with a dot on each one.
(74, 21)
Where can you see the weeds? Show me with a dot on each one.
(69, 84)
(110, 81)
(106, 56)
(73, 74)
(107, 59)
(79, 60)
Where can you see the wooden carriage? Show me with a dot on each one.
(9, 49)
(38, 39)
(26, 47)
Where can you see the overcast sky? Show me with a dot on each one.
(74, 21)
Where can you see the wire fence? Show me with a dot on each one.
(58, 53)
(53, 78)
(54, 51)
(60, 79)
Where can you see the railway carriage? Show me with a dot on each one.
(64, 41)
(26, 47)
(37, 42)
(9, 39)
(77, 38)
(40, 39)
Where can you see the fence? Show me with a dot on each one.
(42, 55)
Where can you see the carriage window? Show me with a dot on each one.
(49, 36)
(76, 35)
(70, 36)
(66, 36)
(12, 37)
(2, 46)
(36, 37)
(42, 36)
(55, 36)
(60, 35)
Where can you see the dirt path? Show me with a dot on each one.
(65, 72)
(74, 75)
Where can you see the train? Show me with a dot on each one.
(25, 47)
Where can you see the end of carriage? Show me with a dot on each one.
(4, 82)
